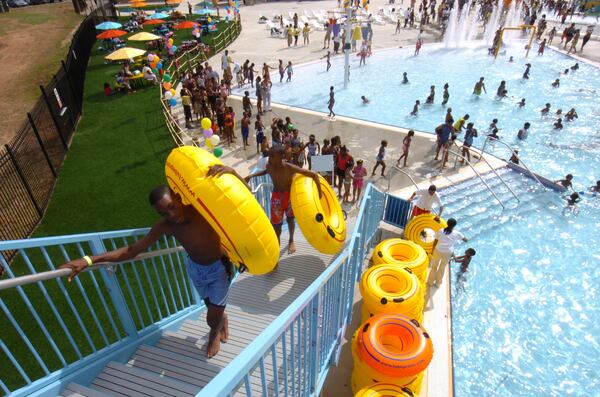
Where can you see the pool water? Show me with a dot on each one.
(526, 318)
(575, 149)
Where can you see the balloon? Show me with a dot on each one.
(174, 48)
(167, 85)
(214, 140)
(170, 41)
(209, 19)
(155, 71)
(159, 65)
(206, 123)
(207, 133)
(172, 101)
(167, 77)
(218, 152)
(169, 46)
(156, 58)
(150, 57)
(168, 95)
(172, 90)
(208, 144)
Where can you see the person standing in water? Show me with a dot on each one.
(526, 72)
(446, 94)
(480, 85)
(328, 58)
(331, 102)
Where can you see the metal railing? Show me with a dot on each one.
(309, 332)
(448, 151)
(482, 157)
(111, 309)
(396, 169)
(512, 151)
(181, 65)
(105, 309)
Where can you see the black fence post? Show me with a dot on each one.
(65, 102)
(23, 180)
(75, 95)
(39, 139)
(56, 123)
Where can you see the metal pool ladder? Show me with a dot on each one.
(512, 151)
(479, 175)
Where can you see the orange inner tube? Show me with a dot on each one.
(394, 345)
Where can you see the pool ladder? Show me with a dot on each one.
(481, 157)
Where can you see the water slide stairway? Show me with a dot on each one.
(177, 364)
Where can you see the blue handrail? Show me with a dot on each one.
(106, 308)
(313, 324)
(110, 310)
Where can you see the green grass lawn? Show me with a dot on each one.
(116, 157)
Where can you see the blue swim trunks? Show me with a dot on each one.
(211, 281)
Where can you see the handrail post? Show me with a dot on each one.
(114, 291)
(314, 343)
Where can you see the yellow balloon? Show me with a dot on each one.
(208, 144)
(206, 123)
(172, 90)
(209, 19)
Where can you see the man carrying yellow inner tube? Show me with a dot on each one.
(209, 268)
(425, 201)
(282, 174)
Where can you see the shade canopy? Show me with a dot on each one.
(205, 11)
(185, 25)
(139, 4)
(153, 22)
(111, 34)
(144, 36)
(125, 53)
(204, 4)
(159, 15)
(108, 25)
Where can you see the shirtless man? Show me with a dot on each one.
(480, 85)
(546, 109)
(567, 182)
(281, 173)
(207, 265)
(415, 108)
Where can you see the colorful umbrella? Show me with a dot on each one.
(205, 11)
(108, 25)
(153, 22)
(144, 36)
(125, 53)
(185, 25)
(204, 4)
(159, 15)
(111, 34)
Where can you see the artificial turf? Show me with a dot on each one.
(116, 157)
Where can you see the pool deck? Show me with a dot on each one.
(362, 138)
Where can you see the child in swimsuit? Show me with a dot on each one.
(358, 181)
(406, 147)
(348, 181)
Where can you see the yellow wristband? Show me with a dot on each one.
(88, 260)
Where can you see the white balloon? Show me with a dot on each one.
(168, 95)
(214, 140)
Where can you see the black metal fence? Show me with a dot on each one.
(30, 162)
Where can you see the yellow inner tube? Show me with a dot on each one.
(402, 253)
(384, 390)
(321, 220)
(227, 205)
(420, 225)
(390, 289)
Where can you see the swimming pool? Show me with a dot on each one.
(575, 149)
(526, 320)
